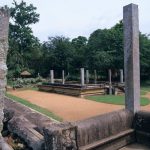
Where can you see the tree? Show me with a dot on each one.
(24, 47)
(144, 56)
(57, 54)
(80, 46)
(105, 48)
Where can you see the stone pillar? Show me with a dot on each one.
(87, 76)
(82, 76)
(95, 77)
(63, 77)
(4, 26)
(110, 84)
(131, 57)
(121, 75)
(52, 76)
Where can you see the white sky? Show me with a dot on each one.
(72, 18)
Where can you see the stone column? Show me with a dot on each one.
(131, 57)
(110, 84)
(63, 77)
(52, 76)
(121, 75)
(87, 76)
(82, 76)
(4, 26)
(95, 77)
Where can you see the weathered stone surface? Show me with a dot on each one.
(121, 75)
(131, 57)
(63, 77)
(4, 23)
(103, 126)
(95, 77)
(60, 137)
(52, 76)
(113, 142)
(87, 76)
(13, 108)
(82, 76)
(110, 84)
(142, 127)
(25, 130)
(26, 123)
(4, 145)
(135, 146)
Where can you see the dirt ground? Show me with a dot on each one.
(67, 107)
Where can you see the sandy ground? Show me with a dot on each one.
(67, 107)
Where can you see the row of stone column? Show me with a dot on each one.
(83, 75)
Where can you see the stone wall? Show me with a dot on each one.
(4, 23)
(26, 123)
(103, 126)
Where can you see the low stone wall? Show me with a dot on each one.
(104, 129)
(26, 123)
(73, 90)
(109, 131)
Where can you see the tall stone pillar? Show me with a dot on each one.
(87, 76)
(121, 75)
(82, 76)
(110, 84)
(4, 26)
(131, 57)
(95, 77)
(52, 76)
(63, 77)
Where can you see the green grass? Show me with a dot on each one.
(115, 99)
(34, 107)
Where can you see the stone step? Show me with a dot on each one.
(106, 140)
(135, 146)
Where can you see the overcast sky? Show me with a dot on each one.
(72, 18)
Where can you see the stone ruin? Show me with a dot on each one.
(110, 131)
(4, 25)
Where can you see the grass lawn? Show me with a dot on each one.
(34, 107)
(115, 99)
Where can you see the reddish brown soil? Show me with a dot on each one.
(67, 107)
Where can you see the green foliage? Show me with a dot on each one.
(106, 48)
(57, 54)
(102, 51)
(24, 47)
(25, 82)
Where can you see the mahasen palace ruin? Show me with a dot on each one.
(111, 131)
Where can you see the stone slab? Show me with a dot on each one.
(135, 146)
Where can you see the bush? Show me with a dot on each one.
(20, 82)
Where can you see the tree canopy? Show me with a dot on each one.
(103, 50)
